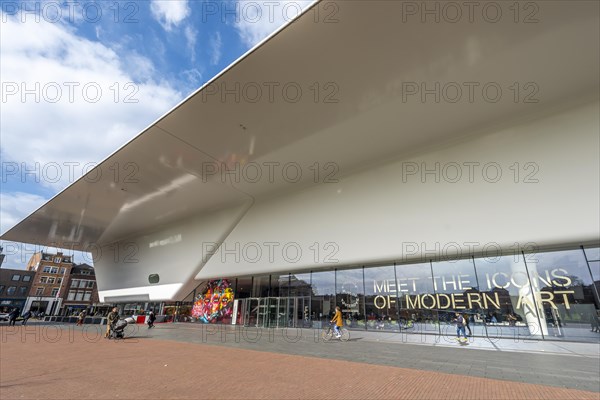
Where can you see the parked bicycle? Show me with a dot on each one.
(329, 334)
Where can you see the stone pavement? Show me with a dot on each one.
(194, 361)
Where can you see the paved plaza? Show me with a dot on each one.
(181, 361)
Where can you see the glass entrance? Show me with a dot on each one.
(299, 310)
(275, 312)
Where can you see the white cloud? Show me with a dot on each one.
(16, 206)
(192, 76)
(215, 47)
(191, 36)
(86, 101)
(257, 20)
(170, 13)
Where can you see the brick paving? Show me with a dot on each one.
(50, 363)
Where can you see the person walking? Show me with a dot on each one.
(460, 326)
(151, 319)
(12, 317)
(466, 318)
(26, 317)
(595, 321)
(112, 318)
(81, 317)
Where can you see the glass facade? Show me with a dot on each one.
(551, 295)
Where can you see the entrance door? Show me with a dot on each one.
(250, 312)
(299, 309)
(276, 312)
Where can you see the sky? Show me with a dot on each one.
(79, 79)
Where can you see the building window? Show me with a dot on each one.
(67, 260)
(26, 278)
(47, 270)
(87, 295)
(85, 272)
(381, 299)
(1, 289)
(11, 290)
(16, 277)
(23, 291)
(79, 296)
(90, 284)
(54, 291)
(74, 283)
(44, 279)
(57, 260)
(51, 280)
(62, 270)
(39, 291)
(71, 295)
(82, 284)
(58, 280)
(54, 270)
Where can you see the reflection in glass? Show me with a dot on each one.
(300, 299)
(418, 309)
(300, 285)
(261, 286)
(323, 300)
(381, 301)
(592, 253)
(456, 290)
(565, 292)
(280, 285)
(595, 319)
(243, 287)
(507, 305)
(350, 297)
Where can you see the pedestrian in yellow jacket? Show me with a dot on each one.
(337, 318)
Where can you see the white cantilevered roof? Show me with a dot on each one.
(358, 72)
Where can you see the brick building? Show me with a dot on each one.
(15, 286)
(49, 286)
(81, 291)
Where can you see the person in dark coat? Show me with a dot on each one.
(26, 317)
(151, 319)
(12, 317)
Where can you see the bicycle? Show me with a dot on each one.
(407, 326)
(329, 334)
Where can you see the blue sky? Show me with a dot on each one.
(81, 78)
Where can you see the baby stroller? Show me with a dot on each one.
(117, 330)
